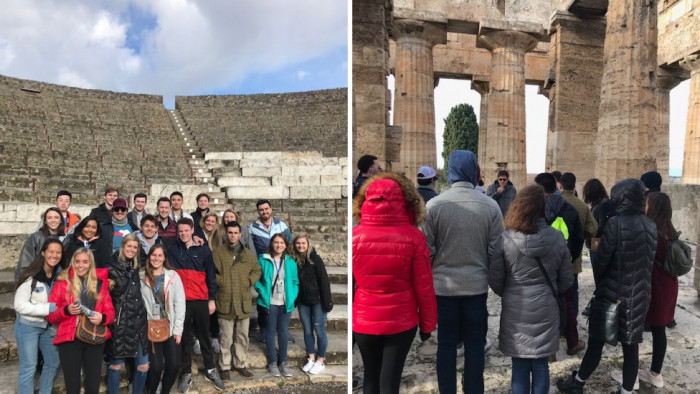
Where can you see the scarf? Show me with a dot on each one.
(120, 223)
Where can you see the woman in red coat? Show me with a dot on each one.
(664, 287)
(393, 290)
(76, 289)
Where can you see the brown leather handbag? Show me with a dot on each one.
(93, 334)
(158, 330)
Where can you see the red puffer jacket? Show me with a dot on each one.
(393, 282)
(68, 323)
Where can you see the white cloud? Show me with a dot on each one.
(301, 74)
(195, 45)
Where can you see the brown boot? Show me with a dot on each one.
(579, 346)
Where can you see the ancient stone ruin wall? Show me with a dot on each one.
(679, 29)
(304, 121)
(56, 137)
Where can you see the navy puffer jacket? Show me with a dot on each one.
(626, 254)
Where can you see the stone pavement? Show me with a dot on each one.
(680, 370)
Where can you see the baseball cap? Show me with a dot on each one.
(120, 203)
(426, 172)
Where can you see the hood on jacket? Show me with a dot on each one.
(143, 241)
(532, 245)
(388, 197)
(553, 206)
(627, 197)
(462, 167)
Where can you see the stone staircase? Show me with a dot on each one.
(336, 355)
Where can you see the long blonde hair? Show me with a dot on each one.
(300, 258)
(216, 237)
(75, 285)
(129, 238)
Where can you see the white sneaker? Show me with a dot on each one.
(645, 375)
(215, 345)
(317, 368)
(196, 348)
(308, 365)
(460, 350)
(616, 375)
(487, 346)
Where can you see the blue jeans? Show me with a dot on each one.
(139, 376)
(277, 323)
(522, 367)
(313, 319)
(461, 318)
(30, 340)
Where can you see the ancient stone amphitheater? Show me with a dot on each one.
(290, 148)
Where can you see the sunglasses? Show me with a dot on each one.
(120, 209)
(502, 179)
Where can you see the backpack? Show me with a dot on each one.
(560, 225)
(678, 259)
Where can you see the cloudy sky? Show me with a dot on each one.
(177, 47)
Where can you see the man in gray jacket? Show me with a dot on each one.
(461, 227)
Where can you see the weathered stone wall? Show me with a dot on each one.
(55, 137)
(685, 200)
(302, 121)
(679, 29)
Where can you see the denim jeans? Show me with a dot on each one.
(139, 376)
(277, 323)
(461, 318)
(522, 368)
(30, 340)
(313, 319)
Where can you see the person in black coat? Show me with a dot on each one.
(88, 234)
(622, 274)
(130, 329)
(314, 301)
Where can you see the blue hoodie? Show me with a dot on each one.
(462, 167)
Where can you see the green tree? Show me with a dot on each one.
(461, 132)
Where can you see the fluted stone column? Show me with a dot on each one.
(691, 157)
(414, 102)
(665, 81)
(482, 87)
(627, 119)
(505, 145)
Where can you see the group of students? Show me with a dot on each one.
(130, 281)
(528, 264)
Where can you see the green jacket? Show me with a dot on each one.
(588, 222)
(291, 281)
(236, 271)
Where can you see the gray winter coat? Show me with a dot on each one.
(529, 311)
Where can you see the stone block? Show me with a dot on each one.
(304, 180)
(262, 155)
(257, 192)
(334, 180)
(305, 170)
(262, 162)
(314, 161)
(301, 155)
(243, 181)
(344, 191)
(314, 192)
(15, 227)
(8, 216)
(261, 171)
(30, 212)
(223, 156)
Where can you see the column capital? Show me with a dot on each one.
(434, 33)
(691, 63)
(480, 84)
(509, 39)
(668, 78)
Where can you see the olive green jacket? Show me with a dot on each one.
(588, 222)
(237, 270)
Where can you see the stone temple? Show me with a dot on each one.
(290, 148)
(606, 66)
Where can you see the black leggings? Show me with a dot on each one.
(76, 355)
(630, 363)
(384, 357)
(658, 334)
(165, 360)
